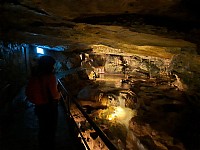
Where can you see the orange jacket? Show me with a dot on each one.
(41, 90)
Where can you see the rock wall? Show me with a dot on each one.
(12, 70)
(181, 67)
(80, 8)
(141, 65)
(187, 68)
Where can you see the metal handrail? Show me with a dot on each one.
(100, 133)
(70, 115)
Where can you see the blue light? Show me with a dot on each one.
(40, 50)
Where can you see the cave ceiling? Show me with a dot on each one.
(145, 27)
(166, 29)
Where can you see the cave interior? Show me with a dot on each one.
(132, 65)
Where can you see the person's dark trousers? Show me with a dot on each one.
(47, 117)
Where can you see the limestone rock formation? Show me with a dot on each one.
(153, 45)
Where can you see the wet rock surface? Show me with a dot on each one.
(157, 56)
(163, 114)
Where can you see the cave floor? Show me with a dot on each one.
(19, 127)
(165, 120)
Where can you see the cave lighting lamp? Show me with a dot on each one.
(40, 50)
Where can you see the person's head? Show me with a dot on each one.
(46, 64)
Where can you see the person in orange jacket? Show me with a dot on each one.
(42, 91)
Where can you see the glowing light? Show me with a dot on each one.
(112, 116)
(118, 112)
(40, 50)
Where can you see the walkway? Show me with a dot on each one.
(19, 126)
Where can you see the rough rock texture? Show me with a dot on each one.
(152, 44)
(79, 8)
